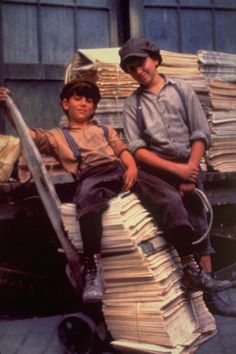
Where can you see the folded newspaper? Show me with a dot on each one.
(9, 153)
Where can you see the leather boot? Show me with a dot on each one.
(217, 306)
(195, 278)
(93, 288)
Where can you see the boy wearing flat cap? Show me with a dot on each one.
(168, 133)
(100, 162)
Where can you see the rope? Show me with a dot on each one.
(138, 321)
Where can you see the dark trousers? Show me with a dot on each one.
(95, 188)
(182, 219)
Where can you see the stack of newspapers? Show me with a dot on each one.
(220, 70)
(145, 307)
(9, 153)
(221, 156)
(223, 95)
(116, 222)
(218, 66)
(185, 66)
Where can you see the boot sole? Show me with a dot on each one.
(92, 300)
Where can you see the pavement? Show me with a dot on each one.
(30, 336)
(224, 342)
(38, 335)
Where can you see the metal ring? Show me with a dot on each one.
(208, 209)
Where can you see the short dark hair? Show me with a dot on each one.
(81, 88)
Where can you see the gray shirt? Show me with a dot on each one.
(165, 121)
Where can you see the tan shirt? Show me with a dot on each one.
(95, 147)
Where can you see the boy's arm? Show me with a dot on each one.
(187, 172)
(198, 149)
(121, 150)
(131, 172)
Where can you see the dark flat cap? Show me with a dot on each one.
(137, 48)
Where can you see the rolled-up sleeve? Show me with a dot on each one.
(131, 129)
(198, 123)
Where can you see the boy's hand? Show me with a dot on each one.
(130, 177)
(187, 172)
(4, 93)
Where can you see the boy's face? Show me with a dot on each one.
(80, 109)
(143, 70)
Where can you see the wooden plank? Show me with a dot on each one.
(220, 176)
(136, 19)
(33, 71)
(20, 33)
(45, 189)
(33, 97)
(221, 195)
(87, 21)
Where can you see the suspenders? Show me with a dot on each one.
(72, 144)
(139, 113)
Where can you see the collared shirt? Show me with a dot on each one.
(95, 147)
(165, 121)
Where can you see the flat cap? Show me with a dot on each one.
(137, 48)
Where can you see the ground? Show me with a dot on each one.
(38, 335)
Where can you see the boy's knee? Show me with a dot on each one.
(175, 201)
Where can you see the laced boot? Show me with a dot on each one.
(195, 278)
(93, 288)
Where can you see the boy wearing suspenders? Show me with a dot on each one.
(167, 132)
(99, 161)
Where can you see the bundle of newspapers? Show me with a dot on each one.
(220, 70)
(218, 66)
(145, 307)
(185, 66)
(9, 153)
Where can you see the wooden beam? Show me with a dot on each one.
(136, 13)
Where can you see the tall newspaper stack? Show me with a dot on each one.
(145, 308)
(220, 70)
